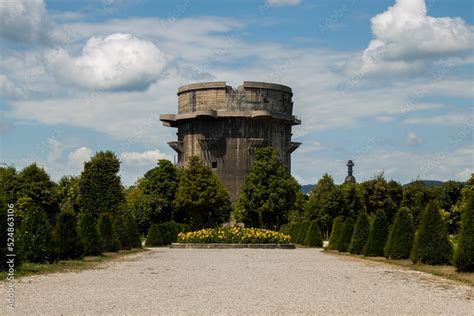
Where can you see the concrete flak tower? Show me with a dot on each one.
(225, 126)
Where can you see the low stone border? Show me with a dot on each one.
(231, 246)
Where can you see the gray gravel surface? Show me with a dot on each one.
(240, 281)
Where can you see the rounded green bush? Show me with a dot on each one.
(313, 237)
(401, 235)
(154, 238)
(107, 233)
(377, 236)
(432, 245)
(35, 236)
(360, 234)
(336, 232)
(346, 235)
(464, 256)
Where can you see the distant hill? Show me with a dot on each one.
(306, 188)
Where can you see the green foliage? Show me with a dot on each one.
(400, 238)
(302, 232)
(159, 185)
(432, 245)
(380, 195)
(353, 199)
(35, 236)
(141, 206)
(67, 193)
(154, 238)
(67, 244)
(107, 233)
(88, 235)
(336, 232)
(377, 236)
(133, 233)
(100, 189)
(268, 194)
(121, 228)
(344, 240)
(201, 199)
(464, 256)
(325, 203)
(415, 197)
(313, 237)
(169, 232)
(360, 234)
(285, 229)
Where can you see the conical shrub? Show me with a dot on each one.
(293, 232)
(346, 235)
(154, 238)
(35, 236)
(133, 232)
(108, 236)
(121, 228)
(432, 245)
(335, 232)
(464, 256)
(88, 235)
(313, 237)
(67, 244)
(302, 232)
(360, 234)
(377, 236)
(401, 235)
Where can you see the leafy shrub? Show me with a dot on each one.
(432, 245)
(360, 234)
(107, 234)
(154, 238)
(464, 256)
(294, 231)
(121, 228)
(133, 233)
(234, 235)
(35, 236)
(346, 235)
(285, 229)
(313, 237)
(377, 236)
(67, 244)
(400, 238)
(88, 235)
(336, 232)
(302, 232)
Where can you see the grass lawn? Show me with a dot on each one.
(447, 272)
(29, 268)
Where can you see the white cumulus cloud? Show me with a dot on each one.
(146, 158)
(406, 38)
(79, 156)
(282, 3)
(116, 62)
(413, 140)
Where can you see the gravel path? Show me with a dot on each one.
(240, 281)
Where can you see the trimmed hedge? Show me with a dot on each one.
(313, 237)
(107, 234)
(336, 232)
(346, 235)
(67, 244)
(88, 235)
(400, 238)
(302, 232)
(35, 239)
(432, 245)
(121, 228)
(154, 238)
(133, 232)
(464, 256)
(377, 236)
(360, 234)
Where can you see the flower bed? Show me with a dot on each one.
(234, 235)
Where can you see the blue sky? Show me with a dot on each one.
(388, 84)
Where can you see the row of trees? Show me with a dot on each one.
(430, 243)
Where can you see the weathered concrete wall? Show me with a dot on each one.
(224, 126)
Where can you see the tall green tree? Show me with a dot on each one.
(67, 193)
(100, 189)
(360, 234)
(415, 197)
(201, 199)
(464, 256)
(142, 207)
(325, 203)
(35, 236)
(160, 185)
(401, 235)
(353, 199)
(432, 245)
(269, 192)
(378, 195)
